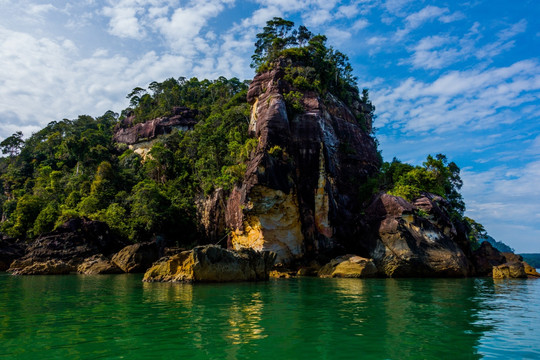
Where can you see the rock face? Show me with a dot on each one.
(349, 266)
(211, 215)
(510, 270)
(71, 243)
(49, 267)
(530, 271)
(9, 251)
(486, 257)
(136, 258)
(296, 198)
(407, 244)
(212, 264)
(98, 264)
(183, 119)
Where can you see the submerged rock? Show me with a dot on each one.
(212, 264)
(349, 266)
(407, 244)
(98, 264)
(136, 258)
(511, 270)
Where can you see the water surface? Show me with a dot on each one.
(119, 317)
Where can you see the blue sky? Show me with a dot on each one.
(455, 77)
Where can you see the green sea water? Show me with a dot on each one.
(120, 317)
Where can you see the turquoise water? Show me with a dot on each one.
(119, 317)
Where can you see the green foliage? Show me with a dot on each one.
(72, 168)
(27, 210)
(46, 219)
(12, 144)
(312, 64)
(293, 101)
(436, 176)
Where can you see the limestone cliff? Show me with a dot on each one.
(299, 197)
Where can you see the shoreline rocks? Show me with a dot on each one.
(136, 258)
(349, 266)
(212, 263)
(70, 244)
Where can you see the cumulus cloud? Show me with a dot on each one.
(45, 80)
(473, 98)
(427, 14)
(505, 200)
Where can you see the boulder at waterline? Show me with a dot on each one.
(212, 263)
(349, 266)
(49, 267)
(136, 258)
(98, 264)
(409, 244)
(511, 270)
(530, 271)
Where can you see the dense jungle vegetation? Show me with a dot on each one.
(72, 168)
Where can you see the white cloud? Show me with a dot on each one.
(124, 20)
(427, 14)
(473, 98)
(45, 80)
(506, 200)
(360, 24)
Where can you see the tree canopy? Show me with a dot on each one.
(313, 64)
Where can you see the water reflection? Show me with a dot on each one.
(119, 316)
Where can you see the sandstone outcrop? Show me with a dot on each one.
(510, 270)
(128, 133)
(49, 267)
(136, 258)
(296, 198)
(405, 243)
(349, 266)
(530, 271)
(212, 264)
(69, 244)
(485, 258)
(98, 264)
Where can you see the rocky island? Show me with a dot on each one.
(284, 172)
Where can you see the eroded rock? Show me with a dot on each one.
(49, 267)
(212, 264)
(407, 244)
(70, 244)
(126, 132)
(136, 258)
(485, 258)
(511, 270)
(349, 266)
(296, 198)
(98, 264)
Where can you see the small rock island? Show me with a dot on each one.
(237, 181)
